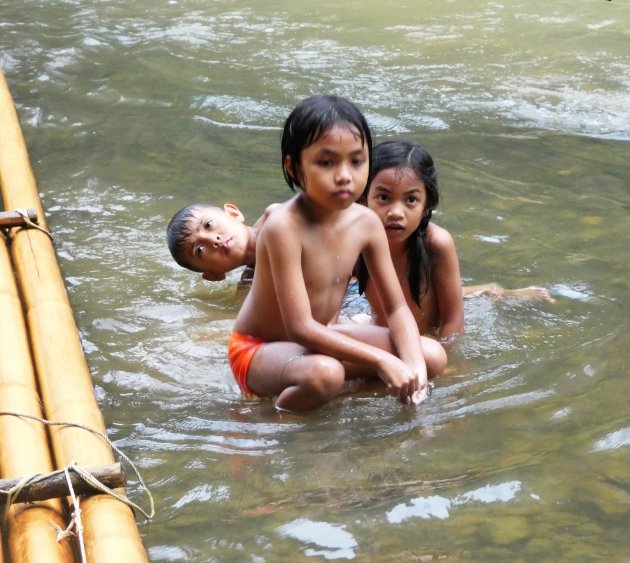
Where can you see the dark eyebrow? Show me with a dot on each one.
(326, 150)
(358, 152)
(187, 242)
(191, 248)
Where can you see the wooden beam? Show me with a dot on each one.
(10, 219)
(55, 485)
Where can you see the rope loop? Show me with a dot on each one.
(13, 493)
(30, 224)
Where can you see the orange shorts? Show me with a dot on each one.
(241, 350)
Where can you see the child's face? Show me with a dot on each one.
(218, 243)
(399, 199)
(334, 169)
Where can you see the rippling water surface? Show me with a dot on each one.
(133, 109)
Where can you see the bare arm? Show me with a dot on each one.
(447, 284)
(400, 320)
(494, 290)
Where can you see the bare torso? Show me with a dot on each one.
(322, 254)
(427, 317)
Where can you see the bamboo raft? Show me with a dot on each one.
(43, 373)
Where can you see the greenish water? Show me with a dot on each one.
(133, 109)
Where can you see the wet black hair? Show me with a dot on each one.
(312, 118)
(403, 155)
(178, 231)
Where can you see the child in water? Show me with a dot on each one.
(286, 342)
(404, 192)
(204, 238)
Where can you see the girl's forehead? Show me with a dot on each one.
(399, 177)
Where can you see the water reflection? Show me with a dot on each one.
(332, 540)
(440, 507)
(617, 439)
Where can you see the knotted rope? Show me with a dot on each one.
(13, 493)
(30, 224)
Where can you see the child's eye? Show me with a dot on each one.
(382, 197)
(326, 162)
(412, 199)
(199, 251)
(358, 161)
(208, 224)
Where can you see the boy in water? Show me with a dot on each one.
(286, 342)
(204, 238)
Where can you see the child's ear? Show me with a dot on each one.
(287, 164)
(288, 168)
(234, 212)
(211, 276)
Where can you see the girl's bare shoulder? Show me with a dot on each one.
(439, 240)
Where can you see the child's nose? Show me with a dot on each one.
(343, 174)
(394, 211)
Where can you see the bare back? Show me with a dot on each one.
(313, 260)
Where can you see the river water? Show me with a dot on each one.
(131, 110)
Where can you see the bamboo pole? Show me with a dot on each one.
(31, 536)
(111, 533)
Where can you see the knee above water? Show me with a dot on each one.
(326, 376)
(439, 362)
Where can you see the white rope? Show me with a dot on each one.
(76, 516)
(87, 476)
